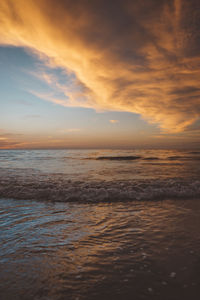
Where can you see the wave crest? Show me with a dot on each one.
(56, 190)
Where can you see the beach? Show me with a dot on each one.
(129, 232)
(146, 250)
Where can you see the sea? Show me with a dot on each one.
(99, 224)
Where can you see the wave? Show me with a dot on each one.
(129, 157)
(151, 158)
(195, 152)
(183, 158)
(75, 191)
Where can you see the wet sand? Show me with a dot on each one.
(132, 250)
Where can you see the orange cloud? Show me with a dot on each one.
(9, 140)
(126, 55)
(114, 121)
(73, 130)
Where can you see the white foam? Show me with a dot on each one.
(57, 188)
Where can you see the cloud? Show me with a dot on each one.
(135, 56)
(73, 130)
(69, 130)
(9, 140)
(32, 116)
(114, 121)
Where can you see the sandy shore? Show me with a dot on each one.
(133, 250)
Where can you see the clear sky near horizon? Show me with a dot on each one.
(100, 74)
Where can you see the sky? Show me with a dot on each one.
(99, 74)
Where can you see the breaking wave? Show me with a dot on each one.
(67, 191)
(100, 175)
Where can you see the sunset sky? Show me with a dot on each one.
(99, 73)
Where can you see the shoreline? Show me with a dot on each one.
(106, 251)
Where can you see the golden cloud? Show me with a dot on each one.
(9, 140)
(136, 56)
(114, 121)
(73, 130)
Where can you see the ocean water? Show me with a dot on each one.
(99, 175)
(99, 224)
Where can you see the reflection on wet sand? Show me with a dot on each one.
(141, 250)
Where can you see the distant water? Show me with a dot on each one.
(95, 231)
(99, 175)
